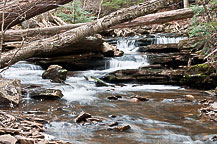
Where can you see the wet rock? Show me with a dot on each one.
(209, 93)
(10, 91)
(46, 94)
(162, 48)
(111, 51)
(214, 138)
(202, 76)
(95, 119)
(82, 117)
(145, 76)
(112, 116)
(100, 82)
(7, 139)
(114, 97)
(140, 98)
(120, 128)
(189, 98)
(55, 73)
(113, 124)
(134, 100)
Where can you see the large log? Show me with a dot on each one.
(18, 35)
(158, 18)
(17, 11)
(72, 36)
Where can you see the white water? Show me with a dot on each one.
(81, 90)
(159, 39)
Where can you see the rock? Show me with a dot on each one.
(108, 50)
(7, 139)
(100, 82)
(214, 105)
(189, 98)
(140, 98)
(55, 73)
(113, 124)
(113, 97)
(120, 128)
(82, 117)
(162, 48)
(46, 94)
(134, 100)
(10, 91)
(25, 140)
(216, 90)
(209, 93)
(214, 138)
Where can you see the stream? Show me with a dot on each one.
(159, 120)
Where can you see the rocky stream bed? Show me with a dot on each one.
(144, 96)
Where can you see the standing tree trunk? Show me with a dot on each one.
(72, 36)
(17, 11)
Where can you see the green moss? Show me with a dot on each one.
(201, 76)
(202, 69)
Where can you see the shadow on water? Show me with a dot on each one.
(159, 120)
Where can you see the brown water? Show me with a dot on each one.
(159, 120)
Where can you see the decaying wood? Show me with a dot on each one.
(72, 36)
(20, 10)
(18, 35)
(158, 18)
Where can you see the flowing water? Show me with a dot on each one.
(159, 120)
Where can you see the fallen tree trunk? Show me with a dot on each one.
(158, 18)
(72, 36)
(18, 35)
(17, 11)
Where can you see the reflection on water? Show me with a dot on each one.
(159, 120)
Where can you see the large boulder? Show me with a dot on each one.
(10, 91)
(55, 73)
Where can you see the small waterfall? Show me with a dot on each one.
(131, 60)
(127, 62)
(23, 65)
(127, 45)
(164, 39)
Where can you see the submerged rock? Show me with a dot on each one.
(55, 73)
(10, 91)
(120, 128)
(82, 117)
(46, 94)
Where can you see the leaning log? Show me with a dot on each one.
(158, 18)
(72, 36)
(17, 11)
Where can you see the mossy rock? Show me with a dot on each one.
(202, 76)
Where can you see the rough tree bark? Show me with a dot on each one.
(158, 18)
(20, 10)
(72, 36)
